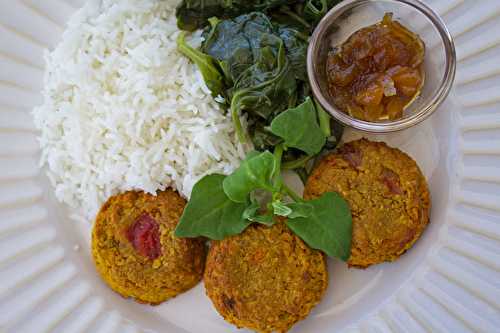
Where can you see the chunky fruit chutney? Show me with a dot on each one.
(377, 72)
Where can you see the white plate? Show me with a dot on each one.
(449, 282)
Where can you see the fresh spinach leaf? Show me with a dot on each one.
(266, 219)
(300, 209)
(255, 172)
(251, 210)
(207, 65)
(324, 119)
(329, 226)
(299, 128)
(210, 213)
(222, 206)
(281, 209)
(252, 213)
(251, 154)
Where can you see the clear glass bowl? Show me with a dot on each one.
(351, 15)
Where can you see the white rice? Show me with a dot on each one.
(123, 109)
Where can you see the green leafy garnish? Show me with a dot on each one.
(324, 120)
(299, 128)
(266, 219)
(222, 206)
(254, 173)
(210, 213)
(281, 209)
(252, 210)
(328, 228)
(300, 209)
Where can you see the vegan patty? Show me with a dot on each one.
(387, 193)
(265, 279)
(135, 250)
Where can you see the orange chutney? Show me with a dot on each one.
(377, 72)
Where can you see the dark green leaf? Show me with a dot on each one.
(267, 219)
(266, 87)
(262, 138)
(337, 132)
(251, 154)
(299, 128)
(210, 213)
(236, 43)
(296, 44)
(328, 228)
(255, 172)
(297, 163)
(206, 64)
(300, 209)
(251, 211)
(323, 119)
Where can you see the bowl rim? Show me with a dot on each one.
(390, 126)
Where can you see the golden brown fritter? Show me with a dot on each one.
(387, 193)
(135, 251)
(265, 279)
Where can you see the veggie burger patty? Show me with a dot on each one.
(387, 193)
(135, 251)
(265, 279)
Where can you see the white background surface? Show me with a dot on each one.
(449, 282)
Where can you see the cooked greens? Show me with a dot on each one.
(254, 58)
(257, 62)
(262, 66)
(206, 64)
(194, 14)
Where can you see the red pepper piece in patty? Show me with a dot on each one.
(352, 155)
(144, 234)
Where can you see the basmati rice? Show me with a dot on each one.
(123, 109)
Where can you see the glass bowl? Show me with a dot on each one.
(351, 15)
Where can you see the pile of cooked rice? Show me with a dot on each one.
(123, 109)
